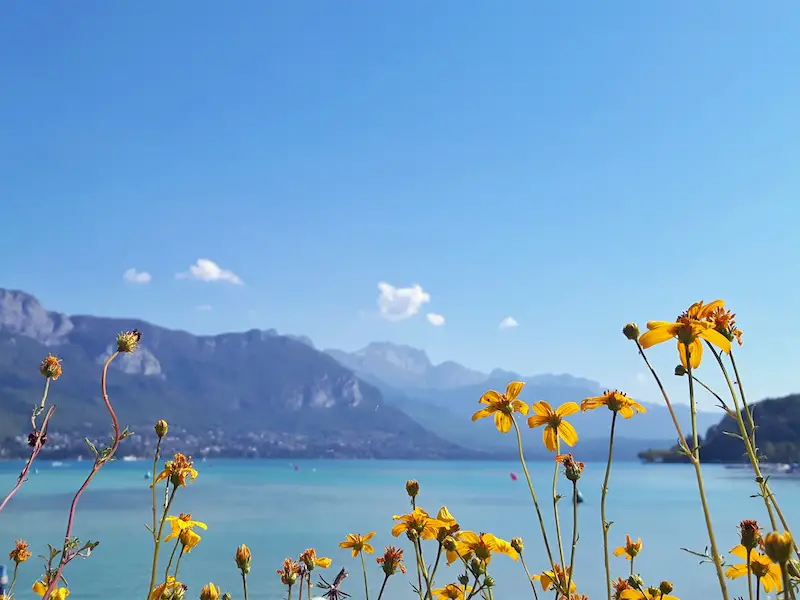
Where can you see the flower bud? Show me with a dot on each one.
(226, 596)
(51, 367)
(449, 544)
(635, 582)
(243, 559)
(749, 533)
(412, 488)
(477, 567)
(488, 581)
(666, 587)
(209, 592)
(778, 546)
(631, 331)
(517, 544)
(161, 428)
(463, 579)
(680, 371)
(128, 341)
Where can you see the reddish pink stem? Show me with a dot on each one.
(37, 447)
(98, 464)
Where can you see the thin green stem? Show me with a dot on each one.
(244, 585)
(436, 564)
(300, 587)
(289, 596)
(424, 570)
(574, 534)
(744, 401)
(603, 495)
(178, 563)
(632, 566)
(533, 494)
(383, 586)
(158, 541)
(695, 455)
(155, 467)
(13, 581)
(749, 578)
(530, 578)
(364, 568)
(171, 557)
(555, 506)
(787, 586)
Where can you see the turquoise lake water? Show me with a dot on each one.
(278, 511)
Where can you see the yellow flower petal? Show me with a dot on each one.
(536, 421)
(490, 397)
(323, 562)
(484, 412)
(567, 409)
(502, 421)
(663, 332)
(549, 438)
(39, 588)
(520, 407)
(567, 433)
(715, 337)
(543, 408)
(513, 389)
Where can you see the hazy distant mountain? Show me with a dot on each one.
(255, 381)
(411, 382)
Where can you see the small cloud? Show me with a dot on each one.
(133, 276)
(207, 270)
(204, 307)
(435, 319)
(397, 304)
(508, 323)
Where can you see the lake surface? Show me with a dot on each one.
(278, 511)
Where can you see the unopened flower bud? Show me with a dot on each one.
(412, 488)
(243, 559)
(749, 533)
(128, 341)
(226, 596)
(680, 371)
(635, 582)
(631, 331)
(778, 546)
(666, 587)
(161, 428)
(449, 544)
(463, 579)
(209, 592)
(488, 581)
(653, 591)
(477, 567)
(51, 367)
(517, 544)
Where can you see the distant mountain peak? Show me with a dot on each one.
(22, 314)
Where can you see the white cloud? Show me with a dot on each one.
(508, 323)
(207, 270)
(204, 307)
(133, 276)
(435, 319)
(397, 304)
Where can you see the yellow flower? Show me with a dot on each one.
(181, 522)
(555, 425)
(767, 572)
(656, 594)
(419, 522)
(502, 406)
(209, 592)
(20, 553)
(40, 587)
(630, 549)
(168, 586)
(556, 579)
(725, 322)
(690, 329)
(310, 559)
(778, 546)
(615, 401)
(180, 471)
(483, 545)
(242, 558)
(452, 591)
(51, 367)
(358, 543)
(189, 539)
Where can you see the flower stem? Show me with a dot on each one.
(574, 534)
(436, 564)
(156, 456)
(533, 494)
(171, 557)
(158, 541)
(695, 458)
(364, 568)
(244, 584)
(383, 586)
(98, 464)
(13, 581)
(530, 579)
(178, 563)
(603, 494)
(555, 507)
(749, 577)
(423, 568)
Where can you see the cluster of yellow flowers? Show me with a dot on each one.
(770, 560)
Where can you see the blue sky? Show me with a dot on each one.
(571, 165)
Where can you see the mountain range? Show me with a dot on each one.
(385, 400)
